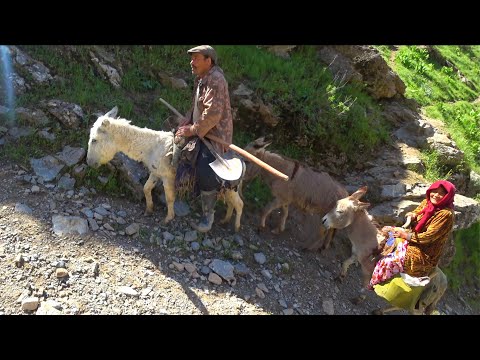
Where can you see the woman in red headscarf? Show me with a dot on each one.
(421, 248)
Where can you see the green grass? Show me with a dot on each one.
(433, 169)
(466, 59)
(438, 85)
(256, 192)
(464, 270)
(301, 91)
(306, 99)
(463, 121)
(427, 81)
(385, 51)
(444, 95)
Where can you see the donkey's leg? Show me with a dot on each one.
(147, 191)
(346, 264)
(229, 201)
(233, 200)
(328, 237)
(283, 219)
(238, 204)
(433, 292)
(274, 204)
(383, 311)
(169, 187)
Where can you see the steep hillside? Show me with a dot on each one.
(349, 110)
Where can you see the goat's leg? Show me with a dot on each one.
(169, 187)
(283, 219)
(274, 204)
(147, 191)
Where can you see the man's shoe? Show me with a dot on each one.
(205, 223)
(209, 198)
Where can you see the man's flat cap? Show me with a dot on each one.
(206, 50)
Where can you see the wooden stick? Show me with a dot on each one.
(235, 148)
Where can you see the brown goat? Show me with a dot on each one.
(310, 191)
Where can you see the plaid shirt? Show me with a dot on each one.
(215, 114)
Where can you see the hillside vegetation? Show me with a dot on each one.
(301, 91)
(318, 112)
(445, 80)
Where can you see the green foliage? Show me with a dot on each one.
(385, 51)
(464, 270)
(429, 82)
(466, 59)
(35, 146)
(113, 186)
(19, 154)
(241, 137)
(463, 121)
(415, 58)
(302, 92)
(307, 98)
(144, 235)
(258, 193)
(433, 169)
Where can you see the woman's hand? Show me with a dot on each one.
(412, 215)
(386, 229)
(400, 233)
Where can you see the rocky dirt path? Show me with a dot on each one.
(161, 269)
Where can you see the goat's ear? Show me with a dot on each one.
(359, 193)
(113, 112)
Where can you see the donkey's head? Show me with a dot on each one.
(343, 213)
(101, 147)
(256, 148)
(258, 145)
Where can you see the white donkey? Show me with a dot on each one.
(109, 136)
(350, 214)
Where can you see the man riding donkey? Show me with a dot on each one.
(210, 114)
(209, 167)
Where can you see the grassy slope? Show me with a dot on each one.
(309, 104)
(316, 113)
(300, 90)
(445, 94)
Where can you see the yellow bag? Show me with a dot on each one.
(398, 293)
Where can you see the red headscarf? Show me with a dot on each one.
(446, 202)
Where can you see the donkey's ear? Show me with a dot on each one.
(113, 112)
(359, 193)
(361, 205)
(261, 143)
